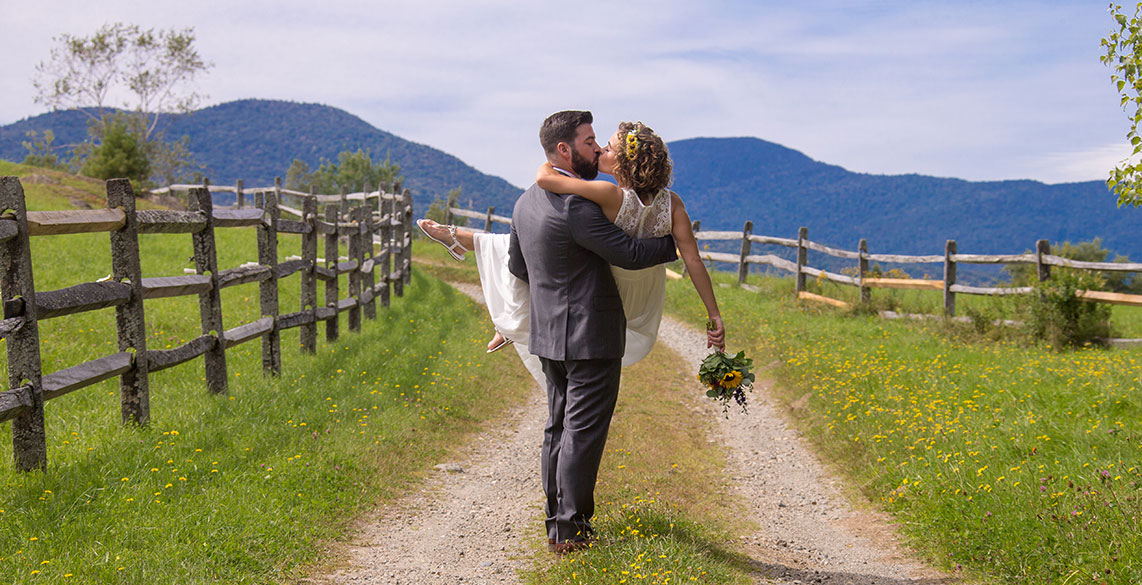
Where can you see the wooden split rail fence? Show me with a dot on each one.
(380, 218)
(950, 259)
(1041, 258)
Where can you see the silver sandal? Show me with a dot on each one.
(501, 344)
(458, 256)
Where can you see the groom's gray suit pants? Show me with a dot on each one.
(581, 397)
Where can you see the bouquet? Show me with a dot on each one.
(727, 378)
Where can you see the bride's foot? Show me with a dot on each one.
(445, 235)
(498, 342)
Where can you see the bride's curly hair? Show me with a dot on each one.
(642, 161)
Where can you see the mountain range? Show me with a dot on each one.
(256, 140)
(724, 182)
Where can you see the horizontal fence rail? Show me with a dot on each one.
(366, 220)
(1041, 258)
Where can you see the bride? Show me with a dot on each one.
(640, 205)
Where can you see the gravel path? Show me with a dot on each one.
(479, 519)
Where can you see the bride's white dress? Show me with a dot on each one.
(643, 291)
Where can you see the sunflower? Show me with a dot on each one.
(731, 379)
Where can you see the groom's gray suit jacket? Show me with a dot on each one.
(563, 246)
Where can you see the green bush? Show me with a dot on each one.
(1059, 317)
(119, 155)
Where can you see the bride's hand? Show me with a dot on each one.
(716, 336)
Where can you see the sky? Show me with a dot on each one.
(969, 89)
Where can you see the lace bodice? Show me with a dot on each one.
(645, 221)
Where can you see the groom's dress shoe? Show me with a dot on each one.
(570, 546)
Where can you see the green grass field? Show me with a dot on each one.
(260, 486)
(254, 486)
(1014, 463)
(1005, 461)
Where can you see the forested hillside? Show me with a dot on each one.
(256, 140)
(724, 181)
(728, 180)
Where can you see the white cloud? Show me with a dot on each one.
(975, 90)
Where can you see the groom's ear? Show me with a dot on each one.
(563, 149)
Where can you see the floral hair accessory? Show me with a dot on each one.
(632, 144)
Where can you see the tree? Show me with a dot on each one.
(120, 155)
(41, 152)
(148, 73)
(353, 170)
(1124, 56)
(437, 210)
(144, 71)
(298, 177)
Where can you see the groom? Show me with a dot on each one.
(563, 247)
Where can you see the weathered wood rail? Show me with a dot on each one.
(379, 219)
(1041, 258)
(950, 259)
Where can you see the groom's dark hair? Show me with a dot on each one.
(560, 127)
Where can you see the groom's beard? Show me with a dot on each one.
(586, 169)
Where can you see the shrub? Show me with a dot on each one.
(119, 155)
(1058, 316)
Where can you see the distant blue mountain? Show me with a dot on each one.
(724, 182)
(256, 140)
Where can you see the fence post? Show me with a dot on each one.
(488, 222)
(241, 195)
(356, 254)
(190, 198)
(398, 245)
(309, 274)
(865, 292)
(367, 276)
(29, 439)
(331, 294)
(949, 279)
(743, 266)
(210, 302)
(130, 322)
(449, 219)
(268, 288)
(406, 229)
(1042, 248)
(386, 253)
(344, 216)
(802, 258)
